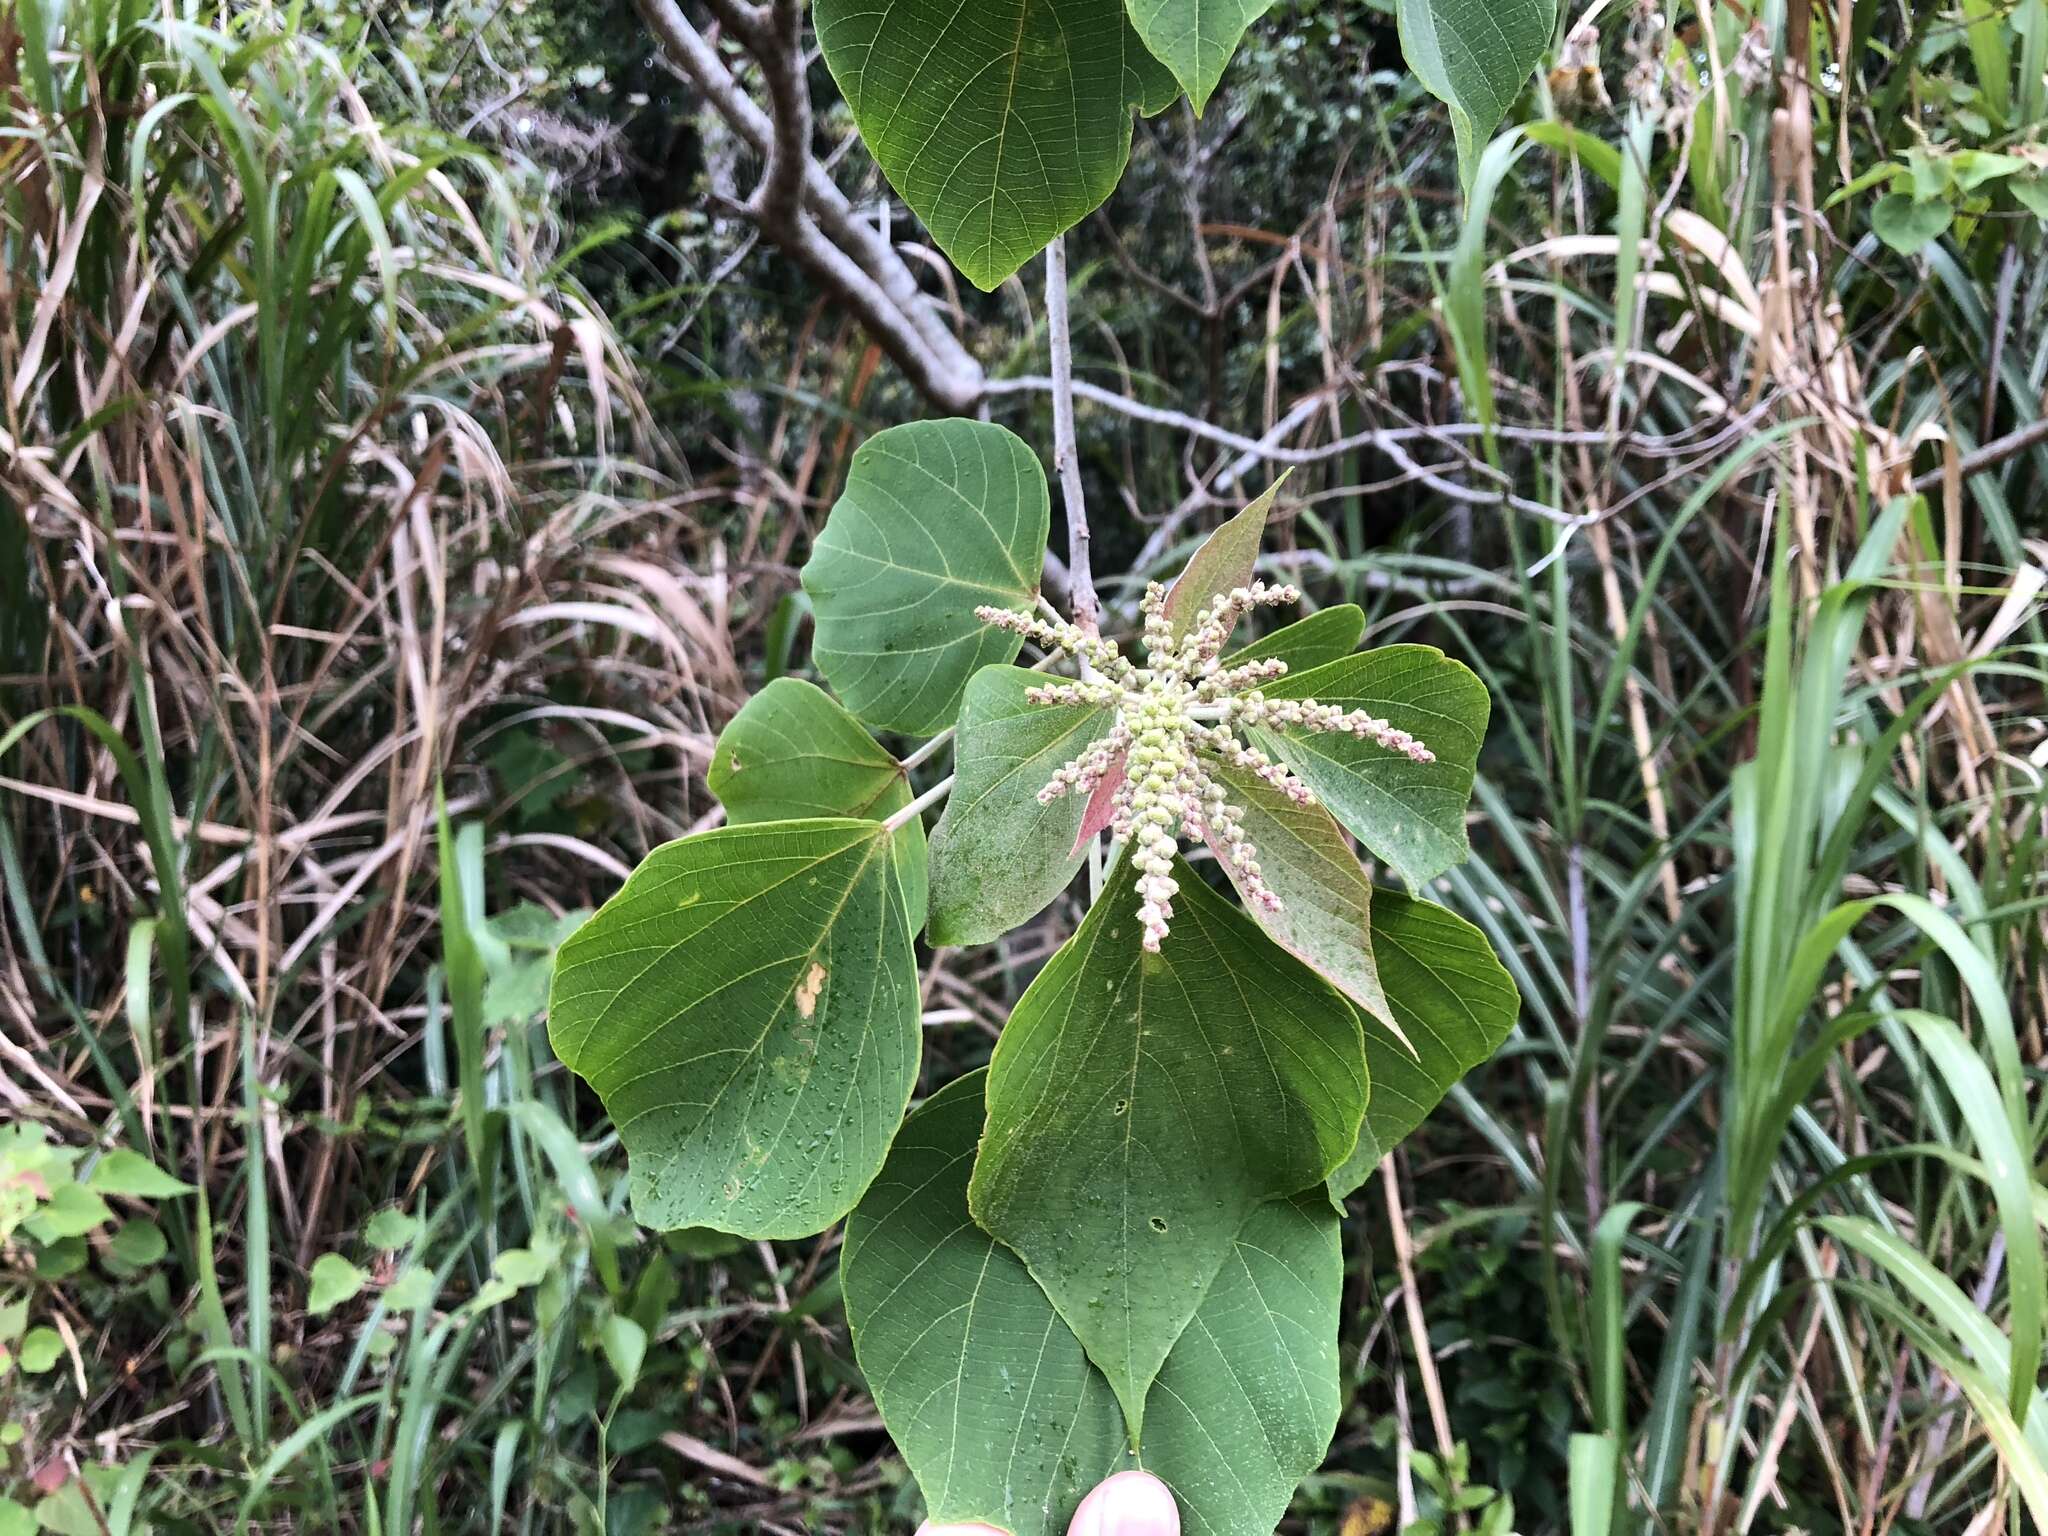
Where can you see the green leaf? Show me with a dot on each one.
(391, 1229)
(125, 1172)
(2032, 193)
(1475, 56)
(986, 1392)
(332, 1281)
(998, 857)
(1325, 916)
(747, 1009)
(1195, 38)
(1139, 1107)
(793, 752)
(1001, 123)
(41, 1349)
(138, 1244)
(1327, 635)
(937, 519)
(624, 1343)
(1908, 226)
(1245, 1406)
(1409, 814)
(411, 1290)
(991, 1399)
(1454, 1003)
(1221, 563)
(71, 1211)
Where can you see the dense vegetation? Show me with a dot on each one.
(414, 427)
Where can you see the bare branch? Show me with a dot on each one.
(799, 208)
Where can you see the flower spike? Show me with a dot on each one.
(1179, 712)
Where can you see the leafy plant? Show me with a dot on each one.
(1003, 125)
(1125, 1226)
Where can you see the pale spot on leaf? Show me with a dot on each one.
(808, 989)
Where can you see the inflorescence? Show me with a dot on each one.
(1174, 714)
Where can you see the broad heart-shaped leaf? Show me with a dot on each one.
(1325, 916)
(1246, 1403)
(1195, 38)
(998, 856)
(985, 1390)
(793, 751)
(1410, 814)
(991, 1399)
(1221, 562)
(1328, 634)
(747, 1008)
(1452, 999)
(1139, 1107)
(1002, 123)
(1475, 56)
(1908, 227)
(937, 519)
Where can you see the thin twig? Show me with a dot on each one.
(1081, 599)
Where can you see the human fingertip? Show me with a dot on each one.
(969, 1529)
(1128, 1504)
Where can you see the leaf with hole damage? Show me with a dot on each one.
(1195, 38)
(1139, 1107)
(998, 857)
(795, 752)
(938, 518)
(1409, 814)
(1475, 56)
(1245, 1406)
(746, 1007)
(1327, 635)
(1002, 123)
(986, 1391)
(1454, 1002)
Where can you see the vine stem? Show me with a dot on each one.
(1066, 463)
(921, 804)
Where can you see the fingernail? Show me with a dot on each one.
(1128, 1504)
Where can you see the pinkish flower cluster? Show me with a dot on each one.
(1174, 715)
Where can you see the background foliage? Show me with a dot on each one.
(408, 451)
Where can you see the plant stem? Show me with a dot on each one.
(929, 750)
(918, 806)
(1065, 459)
